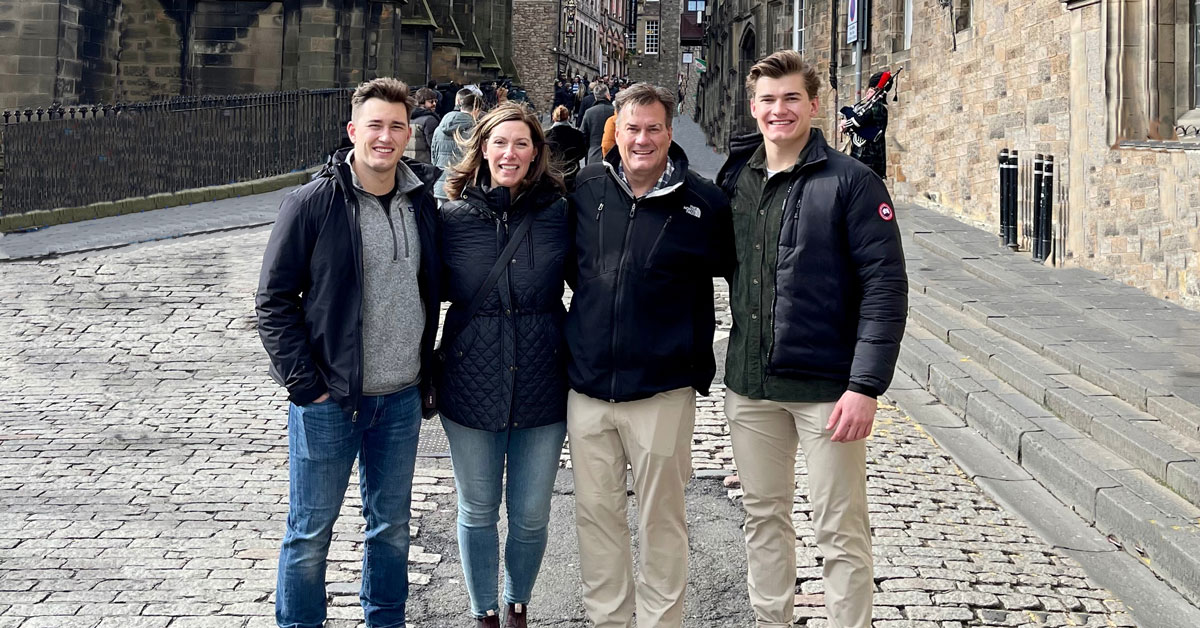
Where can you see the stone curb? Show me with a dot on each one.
(63, 215)
(1160, 537)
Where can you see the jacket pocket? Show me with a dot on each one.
(658, 242)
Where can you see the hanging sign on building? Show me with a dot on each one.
(851, 21)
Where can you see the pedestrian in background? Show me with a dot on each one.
(353, 345)
(502, 382)
(451, 134)
(424, 122)
(819, 280)
(868, 130)
(567, 145)
(650, 235)
(593, 123)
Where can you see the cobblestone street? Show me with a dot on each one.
(143, 479)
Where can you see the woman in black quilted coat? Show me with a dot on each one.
(502, 386)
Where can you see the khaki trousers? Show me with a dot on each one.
(654, 437)
(764, 435)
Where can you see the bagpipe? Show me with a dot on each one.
(850, 114)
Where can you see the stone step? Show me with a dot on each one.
(1152, 374)
(994, 368)
(1077, 460)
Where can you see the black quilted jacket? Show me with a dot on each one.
(507, 368)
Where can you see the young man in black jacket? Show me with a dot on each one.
(819, 299)
(347, 312)
(649, 237)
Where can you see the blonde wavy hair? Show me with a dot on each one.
(466, 172)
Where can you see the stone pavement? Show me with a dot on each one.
(143, 453)
(143, 478)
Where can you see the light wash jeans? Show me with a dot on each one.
(480, 459)
(322, 447)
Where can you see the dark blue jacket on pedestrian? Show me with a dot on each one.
(309, 299)
(507, 367)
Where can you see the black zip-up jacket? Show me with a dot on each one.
(642, 315)
(841, 290)
(507, 367)
(310, 290)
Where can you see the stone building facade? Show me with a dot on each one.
(90, 51)
(656, 58)
(1110, 88)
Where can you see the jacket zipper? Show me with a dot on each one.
(392, 226)
(799, 187)
(658, 241)
(617, 300)
(361, 291)
(600, 228)
(511, 320)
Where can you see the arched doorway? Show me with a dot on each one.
(747, 55)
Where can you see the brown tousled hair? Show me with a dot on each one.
(643, 94)
(466, 171)
(780, 64)
(385, 88)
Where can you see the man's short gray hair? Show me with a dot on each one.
(643, 94)
(601, 91)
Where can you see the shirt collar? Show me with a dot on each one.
(663, 181)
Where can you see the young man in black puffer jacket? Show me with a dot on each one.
(649, 237)
(819, 300)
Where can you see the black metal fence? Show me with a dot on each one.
(72, 156)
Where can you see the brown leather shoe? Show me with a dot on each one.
(491, 620)
(516, 616)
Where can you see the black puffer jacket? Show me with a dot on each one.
(841, 290)
(507, 368)
(642, 316)
(310, 290)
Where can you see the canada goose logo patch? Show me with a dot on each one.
(692, 211)
(885, 211)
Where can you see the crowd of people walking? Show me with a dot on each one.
(497, 216)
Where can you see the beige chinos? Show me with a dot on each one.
(765, 435)
(654, 437)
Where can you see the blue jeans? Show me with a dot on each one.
(479, 459)
(322, 446)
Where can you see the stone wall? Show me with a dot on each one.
(661, 69)
(1025, 74)
(28, 52)
(535, 23)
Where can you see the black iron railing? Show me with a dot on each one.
(72, 156)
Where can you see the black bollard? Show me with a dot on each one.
(1014, 162)
(1038, 163)
(1045, 222)
(1003, 196)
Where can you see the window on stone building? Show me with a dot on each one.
(962, 14)
(803, 25)
(908, 23)
(698, 5)
(651, 37)
(1196, 55)
(1154, 83)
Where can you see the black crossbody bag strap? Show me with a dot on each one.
(510, 249)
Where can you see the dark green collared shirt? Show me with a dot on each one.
(757, 217)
